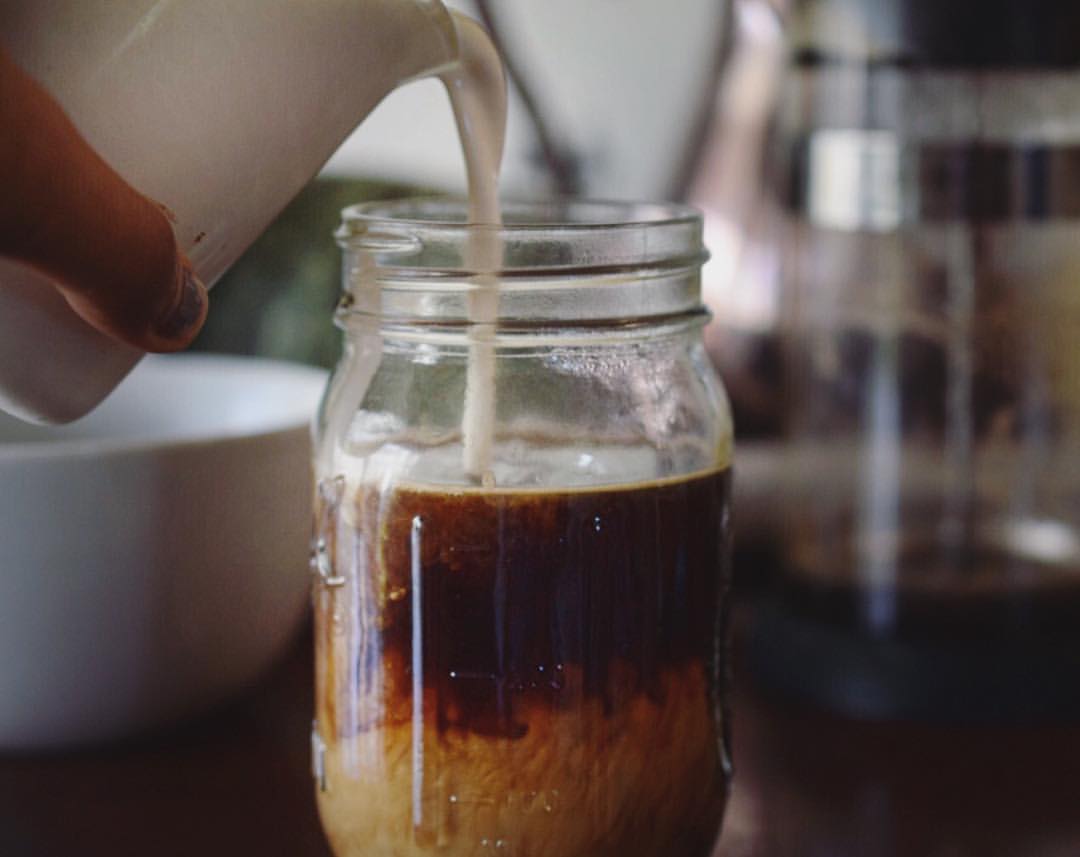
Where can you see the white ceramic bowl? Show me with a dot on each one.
(153, 556)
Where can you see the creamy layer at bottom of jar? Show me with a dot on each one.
(645, 780)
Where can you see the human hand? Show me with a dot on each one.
(64, 211)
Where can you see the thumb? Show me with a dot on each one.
(111, 251)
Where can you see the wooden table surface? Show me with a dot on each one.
(807, 784)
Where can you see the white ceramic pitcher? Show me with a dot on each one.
(220, 111)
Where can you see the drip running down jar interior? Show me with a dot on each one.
(532, 664)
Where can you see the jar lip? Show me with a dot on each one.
(440, 214)
(561, 262)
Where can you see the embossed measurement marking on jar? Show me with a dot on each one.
(318, 756)
(330, 493)
(322, 567)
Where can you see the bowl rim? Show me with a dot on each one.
(101, 447)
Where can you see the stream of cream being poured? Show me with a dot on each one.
(477, 90)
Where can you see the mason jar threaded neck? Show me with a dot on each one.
(564, 263)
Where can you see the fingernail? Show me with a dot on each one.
(188, 311)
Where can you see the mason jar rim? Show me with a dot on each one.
(562, 263)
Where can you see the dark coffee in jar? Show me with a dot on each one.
(527, 673)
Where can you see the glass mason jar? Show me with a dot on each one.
(521, 650)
